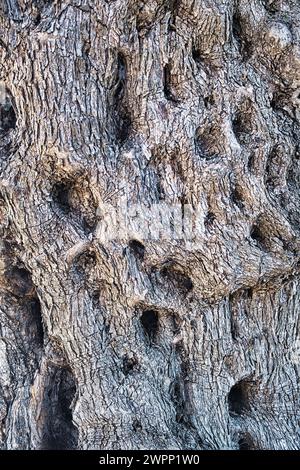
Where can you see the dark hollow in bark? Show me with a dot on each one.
(167, 83)
(123, 121)
(178, 279)
(150, 323)
(238, 398)
(59, 432)
(8, 117)
(246, 442)
(60, 195)
(137, 248)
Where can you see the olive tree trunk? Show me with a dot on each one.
(149, 217)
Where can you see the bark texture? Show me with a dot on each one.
(149, 344)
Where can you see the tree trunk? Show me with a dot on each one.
(149, 155)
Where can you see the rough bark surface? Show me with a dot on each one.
(147, 344)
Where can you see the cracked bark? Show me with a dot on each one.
(143, 343)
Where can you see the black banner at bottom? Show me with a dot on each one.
(141, 459)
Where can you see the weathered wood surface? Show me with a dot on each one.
(149, 343)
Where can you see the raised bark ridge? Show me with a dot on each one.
(138, 343)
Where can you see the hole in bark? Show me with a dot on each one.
(206, 142)
(150, 323)
(60, 432)
(7, 113)
(243, 122)
(251, 162)
(137, 425)
(258, 235)
(20, 282)
(172, 6)
(36, 325)
(209, 101)
(209, 220)
(129, 363)
(238, 398)
(40, 9)
(160, 191)
(121, 77)
(234, 328)
(177, 394)
(234, 324)
(274, 163)
(180, 395)
(179, 280)
(199, 57)
(202, 58)
(236, 27)
(237, 196)
(124, 127)
(37, 18)
(167, 84)
(95, 296)
(246, 442)
(60, 195)
(248, 293)
(196, 54)
(244, 46)
(75, 199)
(137, 248)
(123, 118)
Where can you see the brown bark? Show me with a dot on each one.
(142, 342)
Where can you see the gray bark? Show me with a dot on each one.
(135, 343)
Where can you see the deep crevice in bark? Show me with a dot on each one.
(123, 121)
(167, 83)
(137, 248)
(172, 6)
(181, 394)
(41, 7)
(242, 123)
(74, 199)
(129, 364)
(246, 442)
(241, 37)
(238, 398)
(18, 283)
(237, 196)
(150, 324)
(60, 431)
(60, 195)
(209, 220)
(8, 117)
(207, 142)
(176, 278)
(260, 235)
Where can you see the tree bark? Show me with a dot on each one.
(149, 339)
